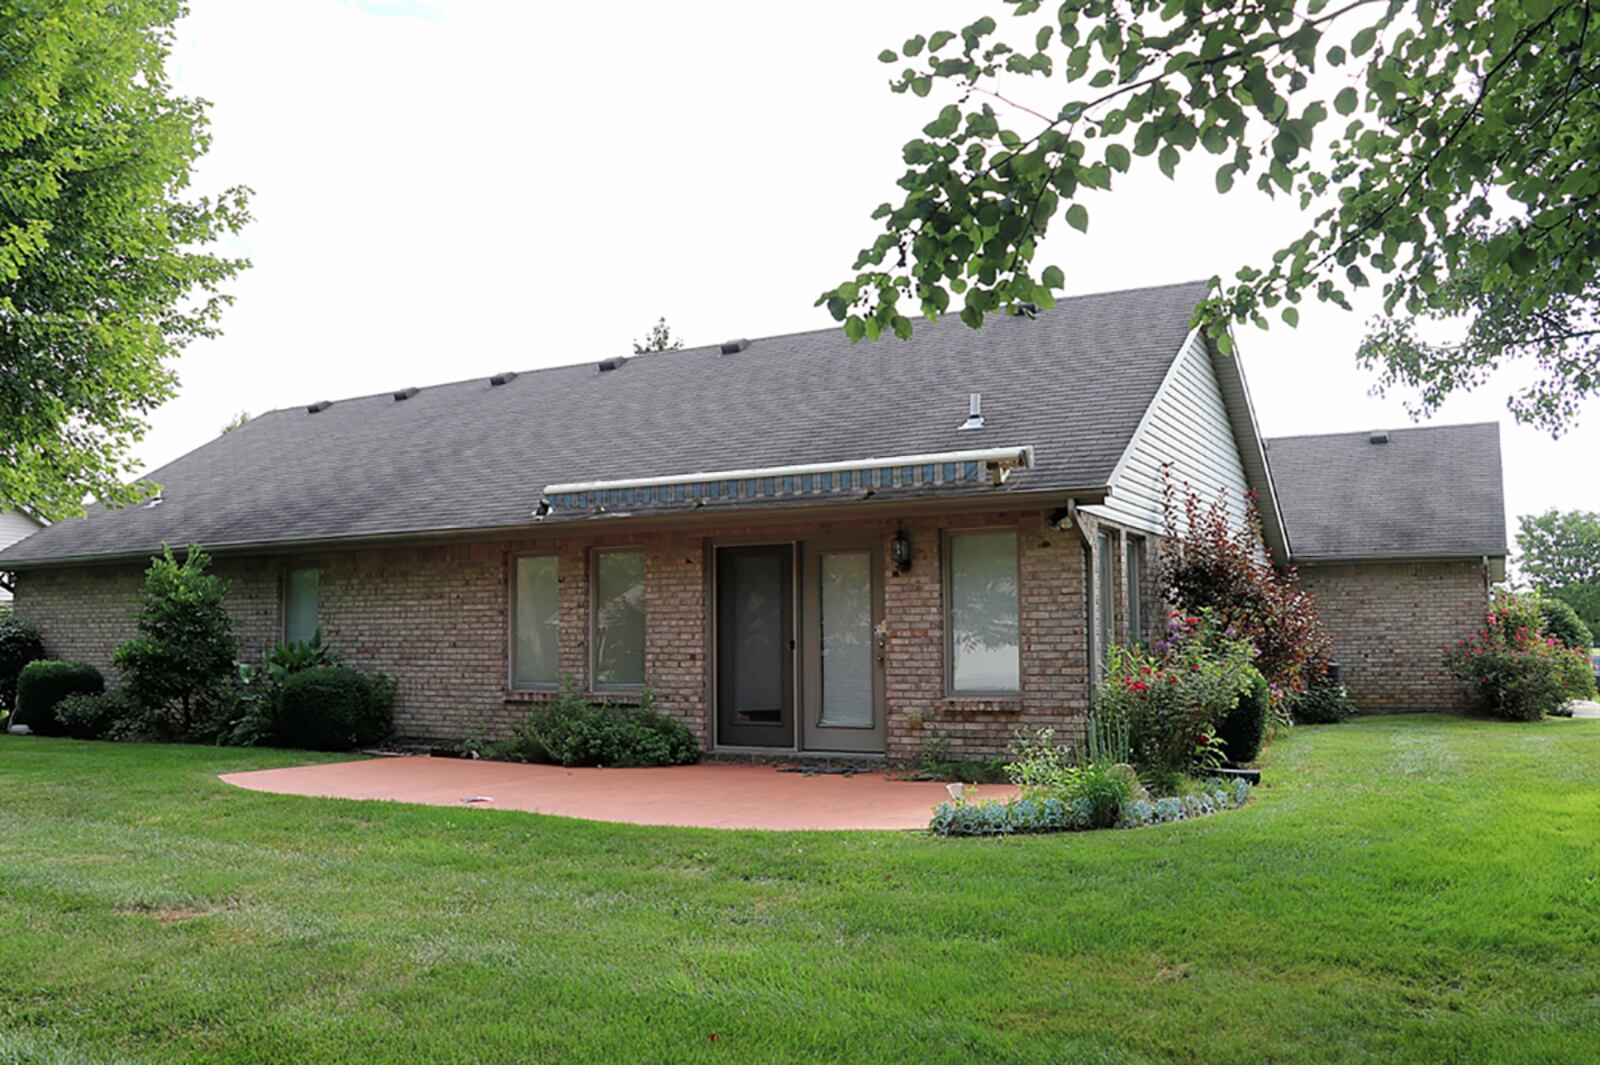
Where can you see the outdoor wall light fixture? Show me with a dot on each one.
(900, 551)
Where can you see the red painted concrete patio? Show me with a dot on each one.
(712, 795)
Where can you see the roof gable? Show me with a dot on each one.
(1433, 492)
(1199, 430)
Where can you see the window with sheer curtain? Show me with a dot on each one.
(983, 606)
(301, 589)
(536, 623)
(619, 619)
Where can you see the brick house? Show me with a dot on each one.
(1399, 535)
(797, 544)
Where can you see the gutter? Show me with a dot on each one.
(1336, 560)
(768, 512)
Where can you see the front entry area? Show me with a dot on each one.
(798, 647)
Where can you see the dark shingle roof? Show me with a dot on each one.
(1072, 382)
(1428, 492)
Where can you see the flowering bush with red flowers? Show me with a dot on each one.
(1517, 671)
(1212, 561)
(1174, 694)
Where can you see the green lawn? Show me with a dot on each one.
(1414, 888)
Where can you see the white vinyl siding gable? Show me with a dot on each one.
(1187, 425)
(14, 525)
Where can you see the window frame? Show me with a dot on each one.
(1107, 541)
(511, 622)
(1133, 573)
(595, 554)
(947, 620)
(285, 583)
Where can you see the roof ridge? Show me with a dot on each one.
(835, 327)
(1380, 429)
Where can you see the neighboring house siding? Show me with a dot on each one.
(1390, 623)
(14, 525)
(436, 618)
(1187, 426)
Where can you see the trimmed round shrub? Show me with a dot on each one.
(1563, 623)
(1245, 726)
(43, 684)
(376, 724)
(1575, 675)
(90, 716)
(329, 708)
(19, 645)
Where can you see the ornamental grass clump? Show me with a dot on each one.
(1094, 781)
(1517, 671)
(1173, 696)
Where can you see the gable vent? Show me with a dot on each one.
(404, 394)
(319, 407)
(503, 378)
(1378, 438)
(733, 347)
(613, 364)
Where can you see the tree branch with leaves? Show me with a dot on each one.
(103, 274)
(1441, 152)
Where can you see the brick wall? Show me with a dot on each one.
(84, 612)
(436, 618)
(1390, 623)
(1054, 650)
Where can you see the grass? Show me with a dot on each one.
(1416, 888)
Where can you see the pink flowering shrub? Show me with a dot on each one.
(1518, 672)
(1173, 695)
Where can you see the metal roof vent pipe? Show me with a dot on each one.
(974, 411)
(1379, 437)
(733, 347)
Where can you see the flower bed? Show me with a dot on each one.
(992, 817)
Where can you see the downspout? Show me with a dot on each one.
(1072, 520)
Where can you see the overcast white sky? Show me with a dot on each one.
(450, 188)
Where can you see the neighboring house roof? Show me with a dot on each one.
(1431, 492)
(1072, 383)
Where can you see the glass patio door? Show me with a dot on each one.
(842, 649)
(755, 646)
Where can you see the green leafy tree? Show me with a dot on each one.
(179, 666)
(1442, 151)
(1559, 554)
(660, 338)
(103, 279)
